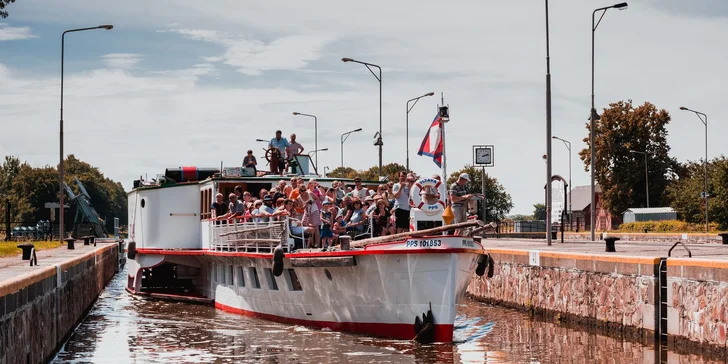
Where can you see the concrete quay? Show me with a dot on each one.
(41, 305)
(638, 290)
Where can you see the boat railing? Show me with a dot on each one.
(249, 237)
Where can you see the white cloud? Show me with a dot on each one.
(14, 33)
(121, 60)
(253, 57)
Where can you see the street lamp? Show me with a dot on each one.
(379, 78)
(548, 131)
(705, 192)
(593, 115)
(568, 146)
(61, 232)
(317, 150)
(261, 140)
(342, 143)
(647, 183)
(407, 127)
(315, 131)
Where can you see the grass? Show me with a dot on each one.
(10, 248)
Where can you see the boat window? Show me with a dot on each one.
(229, 276)
(144, 202)
(220, 278)
(272, 284)
(241, 277)
(254, 277)
(295, 284)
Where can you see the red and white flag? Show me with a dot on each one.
(432, 144)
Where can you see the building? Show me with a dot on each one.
(580, 199)
(649, 214)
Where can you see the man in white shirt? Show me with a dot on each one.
(359, 191)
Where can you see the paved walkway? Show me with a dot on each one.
(11, 267)
(626, 248)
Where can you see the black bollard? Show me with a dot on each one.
(70, 242)
(27, 250)
(610, 244)
(724, 236)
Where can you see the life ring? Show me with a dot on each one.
(418, 202)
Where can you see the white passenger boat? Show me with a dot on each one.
(380, 287)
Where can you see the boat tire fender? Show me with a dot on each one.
(485, 261)
(278, 261)
(131, 250)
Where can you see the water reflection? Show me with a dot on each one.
(124, 329)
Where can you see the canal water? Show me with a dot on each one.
(125, 329)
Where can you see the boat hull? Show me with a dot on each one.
(377, 291)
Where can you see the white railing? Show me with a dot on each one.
(248, 237)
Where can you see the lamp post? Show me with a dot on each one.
(407, 125)
(379, 78)
(315, 131)
(568, 146)
(705, 192)
(342, 143)
(548, 131)
(594, 116)
(647, 183)
(61, 232)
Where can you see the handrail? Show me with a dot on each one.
(690, 254)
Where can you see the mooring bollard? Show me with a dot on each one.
(70, 242)
(610, 244)
(29, 253)
(724, 236)
(344, 241)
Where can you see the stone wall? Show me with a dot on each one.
(697, 306)
(607, 291)
(650, 237)
(40, 309)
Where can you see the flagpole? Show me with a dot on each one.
(442, 137)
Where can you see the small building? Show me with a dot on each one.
(649, 214)
(580, 200)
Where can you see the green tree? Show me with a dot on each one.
(3, 4)
(497, 201)
(621, 173)
(539, 211)
(342, 172)
(521, 217)
(390, 171)
(684, 194)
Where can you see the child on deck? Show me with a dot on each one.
(326, 219)
(339, 226)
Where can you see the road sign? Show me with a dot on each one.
(483, 155)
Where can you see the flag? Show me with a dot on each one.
(432, 144)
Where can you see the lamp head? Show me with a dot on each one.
(554, 137)
(325, 149)
(107, 27)
(620, 6)
(345, 59)
(430, 94)
(358, 129)
(260, 140)
(296, 113)
(683, 108)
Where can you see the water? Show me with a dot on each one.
(121, 328)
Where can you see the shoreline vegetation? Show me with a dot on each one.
(10, 248)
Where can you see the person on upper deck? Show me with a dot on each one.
(294, 147)
(281, 144)
(250, 162)
(219, 208)
(235, 206)
(459, 197)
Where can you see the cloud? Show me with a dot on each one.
(121, 60)
(14, 33)
(253, 57)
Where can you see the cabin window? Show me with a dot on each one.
(241, 277)
(229, 275)
(205, 203)
(295, 284)
(220, 278)
(254, 277)
(272, 284)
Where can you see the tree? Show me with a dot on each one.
(539, 211)
(391, 171)
(342, 172)
(685, 193)
(620, 173)
(3, 4)
(30, 188)
(521, 217)
(497, 201)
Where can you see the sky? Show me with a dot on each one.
(180, 82)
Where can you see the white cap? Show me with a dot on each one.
(465, 176)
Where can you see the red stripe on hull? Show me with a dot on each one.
(443, 333)
(200, 252)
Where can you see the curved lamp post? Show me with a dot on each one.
(700, 116)
(379, 78)
(315, 131)
(61, 229)
(594, 116)
(407, 125)
(342, 143)
(568, 146)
